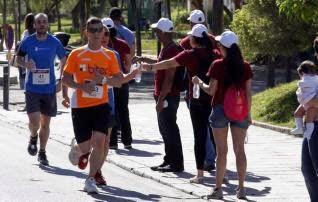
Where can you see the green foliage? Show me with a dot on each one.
(180, 17)
(305, 10)
(263, 30)
(276, 105)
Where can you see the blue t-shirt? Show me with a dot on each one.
(125, 34)
(43, 54)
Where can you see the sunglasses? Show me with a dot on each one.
(94, 30)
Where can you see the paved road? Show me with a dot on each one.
(22, 179)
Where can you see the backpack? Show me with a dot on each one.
(235, 104)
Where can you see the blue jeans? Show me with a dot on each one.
(309, 164)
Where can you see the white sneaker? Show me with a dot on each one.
(74, 153)
(297, 131)
(90, 186)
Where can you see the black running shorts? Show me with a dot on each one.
(87, 120)
(44, 103)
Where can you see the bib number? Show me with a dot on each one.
(41, 77)
(97, 93)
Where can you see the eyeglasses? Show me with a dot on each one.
(94, 30)
(106, 33)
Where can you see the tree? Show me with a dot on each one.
(113, 3)
(217, 17)
(266, 32)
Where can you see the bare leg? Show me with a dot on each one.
(311, 114)
(98, 152)
(299, 112)
(34, 123)
(220, 138)
(44, 131)
(238, 137)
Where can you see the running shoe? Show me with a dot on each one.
(90, 186)
(32, 148)
(42, 158)
(99, 179)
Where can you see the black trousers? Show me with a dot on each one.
(199, 114)
(122, 117)
(169, 130)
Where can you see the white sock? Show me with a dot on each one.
(309, 129)
(299, 123)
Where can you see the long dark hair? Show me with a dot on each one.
(204, 41)
(234, 67)
(29, 23)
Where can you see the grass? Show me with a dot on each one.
(276, 105)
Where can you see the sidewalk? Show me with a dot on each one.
(273, 158)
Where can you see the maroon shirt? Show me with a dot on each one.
(166, 53)
(190, 60)
(217, 72)
(121, 47)
(185, 42)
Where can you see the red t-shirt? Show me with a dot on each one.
(166, 53)
(190, 59)
(217, 72)
(121, 47)
(185, 42)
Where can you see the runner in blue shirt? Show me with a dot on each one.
(41, 87)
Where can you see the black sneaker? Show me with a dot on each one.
(32, 148)
(42, 158)
(155, 168)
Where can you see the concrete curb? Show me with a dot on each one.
(280, 129)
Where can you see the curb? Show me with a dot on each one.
(280, 129)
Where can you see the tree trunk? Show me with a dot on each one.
(87, 9)
(237, 4)
(101, 8)
(59, 24)
(136, 7)
(270, 73)
(114, 3)
(28, 7)
(158, 12)
(75, 16)
(168, 8)
(217, 17)
(198, 4)
(289, 66)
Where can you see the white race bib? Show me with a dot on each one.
(97, 93)
(41, 77)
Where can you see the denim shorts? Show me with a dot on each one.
(218, 119)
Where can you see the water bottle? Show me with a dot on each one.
(165, 103)
(196, 91)
(138, 76)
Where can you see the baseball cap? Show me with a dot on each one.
(227, 39)
(164, 24)
(107, 22)
(196, 16)
(197, 30)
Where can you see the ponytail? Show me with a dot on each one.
(204, 41)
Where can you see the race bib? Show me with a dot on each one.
(41, 77)
(97, 93)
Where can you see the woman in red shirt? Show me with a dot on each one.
(224, 73)
(197, 61)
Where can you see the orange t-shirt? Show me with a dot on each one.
(82, 63)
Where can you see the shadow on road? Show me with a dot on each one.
(62, 171)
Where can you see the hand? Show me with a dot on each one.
(30, 65)
(146, 67)
(88, 87)
(136, 59)
(196, 80)
(159, 106)
(136, 71)
(66, 102)
(98, 78)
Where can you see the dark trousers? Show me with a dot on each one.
(122, 117)
(309, 164)
(199, 113)
(169, 130)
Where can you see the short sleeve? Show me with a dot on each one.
(114, 65)
(184, 58)
(70, 63)
(60, 51)
(214, 70)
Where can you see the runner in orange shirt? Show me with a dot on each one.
(89, 69)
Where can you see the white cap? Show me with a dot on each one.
(196, 16)
(197, 30)
(227, 39)
(164, 24)
(107, 22)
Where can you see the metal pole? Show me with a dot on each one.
(6, 84)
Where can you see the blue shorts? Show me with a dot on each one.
(218, 119)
